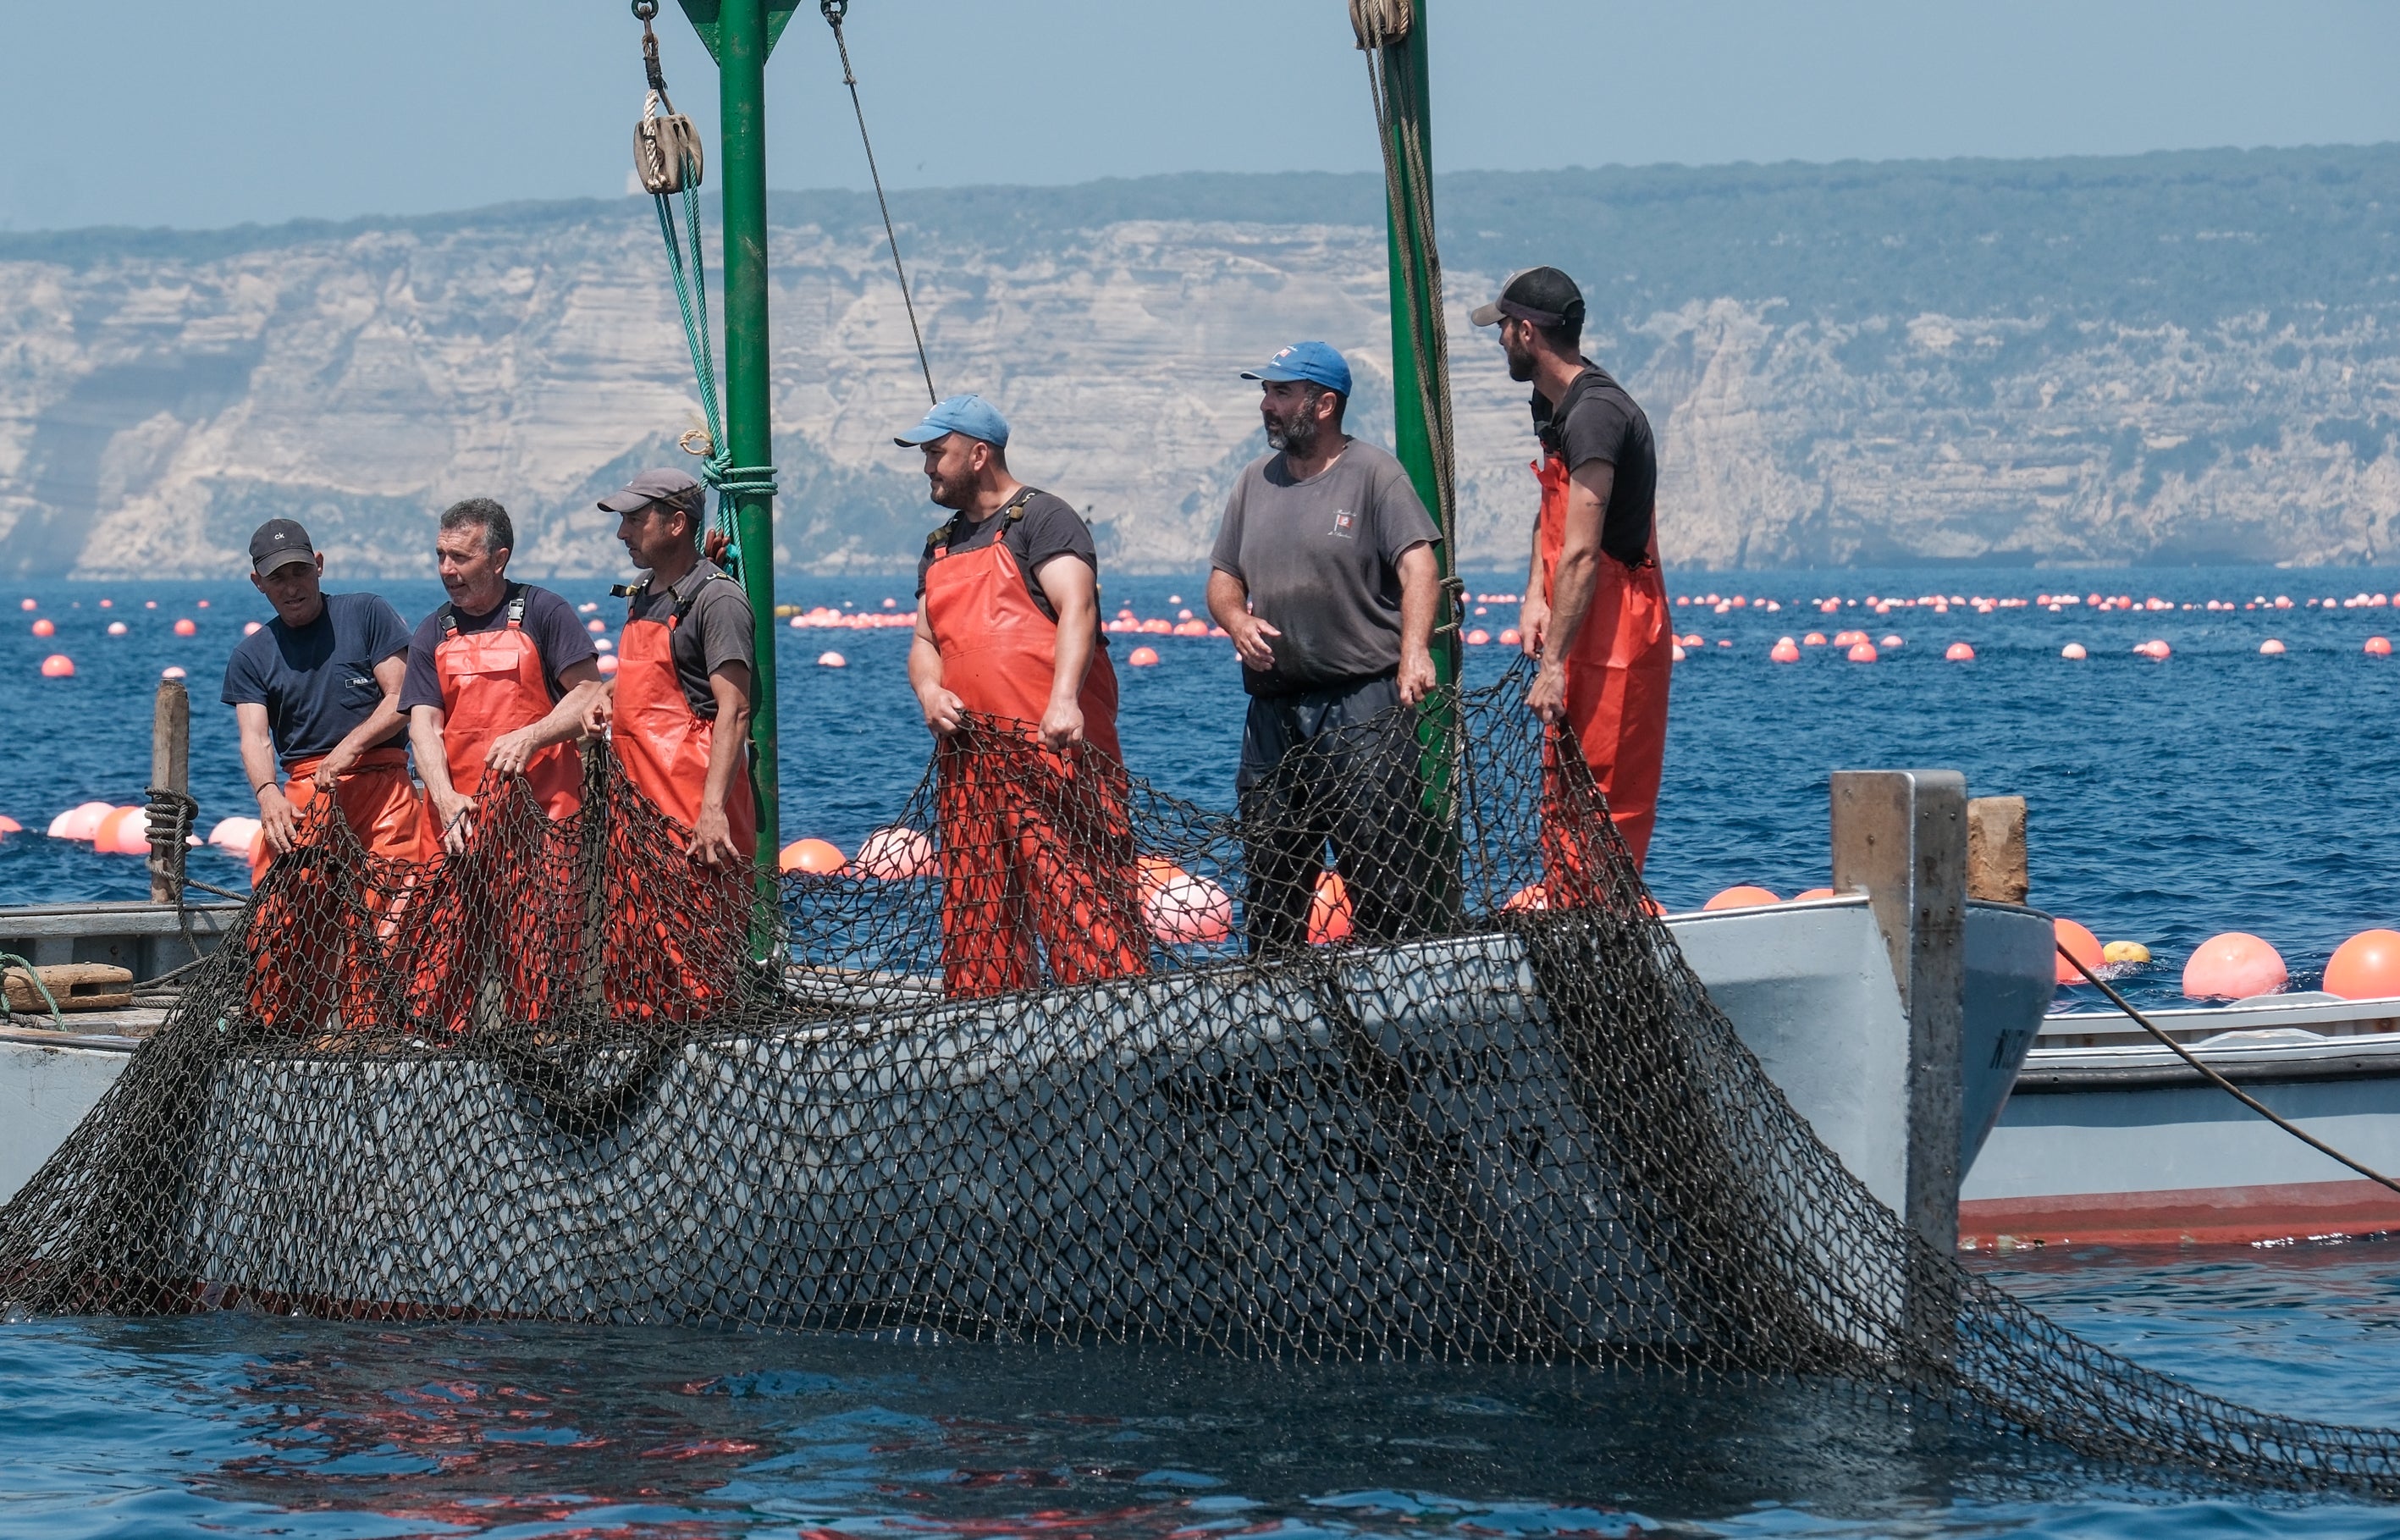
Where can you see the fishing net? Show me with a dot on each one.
(1058, 1058)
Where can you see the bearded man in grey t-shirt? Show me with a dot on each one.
(1324, 576)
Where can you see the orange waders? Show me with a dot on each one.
(513, 896)
(1617, 690)
(300, 931)
(677, 930)
(1033, 843)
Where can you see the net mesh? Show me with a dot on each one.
(1058, 1058)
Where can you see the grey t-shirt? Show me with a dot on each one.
(715, 629)
(1320, 559)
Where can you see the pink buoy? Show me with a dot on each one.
(1785, 651)
(2073, 652)
(608, 664)
(2156, 650)
(1142, 657)
(186, 626)
(43, 627)
(595, 627)
(1861, 652)
(1188, 910)
(1742, 896)
(1676, 653)
(1511, 636)
(2366, 967)
(2379, 647)
(832, 660)
(58, 666)
(1815, 638)
(126, 831)
(80, 822)
(172, 670)
(1890, 642)
(236, 834)
(602, 645)
(2271, 648)
(10, 825)
(1479, 638)
(250, 628)
(116, 627)
(2234, 966)
(27, 604)
(893, 854)
(1958, 652)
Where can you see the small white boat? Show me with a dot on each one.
(2110, 1138)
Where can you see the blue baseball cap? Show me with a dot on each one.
(973, 415)
(1314, 362)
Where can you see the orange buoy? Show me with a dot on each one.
(1478, 637)
(236, 834)
(10, 825)
(1142, 657)
(2156, 650)
(2234, 966)
(187, 627)
(832, 660)
(1812, 892)
(1532, 897)
(1958, 652)
(1329, 913)
(1185, 910)
(2379, 647)
(2271, 648)
(1815, 638)
(1861, 652)
(608, 664)
(2079, 941)
(1742, 896)
(44, 627)
(816, 857)
(895, 854)
(126, 831)
(1511, 636)
(58, 666)
(116, 627)
(2073, 652)
(1785, 651)
(596, 627)
(2366, 967)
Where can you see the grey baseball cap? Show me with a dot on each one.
(654, 486)
(279, 542)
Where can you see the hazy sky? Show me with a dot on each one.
(167, 112)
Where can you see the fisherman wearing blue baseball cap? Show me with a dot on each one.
(1324, 576)
(1008, 629)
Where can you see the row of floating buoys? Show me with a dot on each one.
(108, 829)
(2237, 965)
(889, 855)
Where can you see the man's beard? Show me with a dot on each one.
(1521, 363)
(1295, 434)
(943, 493)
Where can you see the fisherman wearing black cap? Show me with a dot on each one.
(1595, 608)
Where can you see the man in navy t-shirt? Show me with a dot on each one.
(317, 689)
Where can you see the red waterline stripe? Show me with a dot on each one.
(2188, 1215)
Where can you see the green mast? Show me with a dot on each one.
(738, 35)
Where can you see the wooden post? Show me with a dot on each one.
(1995, 849)
(171, 767)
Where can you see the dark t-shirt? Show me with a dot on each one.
(1050, 529)
(1603, 423)
(549, 619)
(1320, 559)
(715, 629)
(318, 682)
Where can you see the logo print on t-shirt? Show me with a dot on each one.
(1345, 523)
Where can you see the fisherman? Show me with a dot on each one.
(677, 714)
(497, 678)
(1011, 671)
(1324, 576)
(317, 689)
(1595, 608)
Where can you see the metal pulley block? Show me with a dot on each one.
(666, 149)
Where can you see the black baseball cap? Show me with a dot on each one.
(654, 486)
(279, 542)
(1543, 296)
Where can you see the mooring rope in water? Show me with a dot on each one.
(834, 11)
(2244, 1098)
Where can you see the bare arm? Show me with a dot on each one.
(1073, 592)
(1571, 585)
(389, 675)
(940, 706)
(258, 762)
(433, 769)
(1229, 603)
(711, 836)
(1420, 597)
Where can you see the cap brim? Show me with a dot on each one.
(918, 438)
(280, 559)
(626, 502)
(1274, 376)
(1486, 315)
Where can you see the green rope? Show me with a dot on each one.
(57, 1019)
(716, 467)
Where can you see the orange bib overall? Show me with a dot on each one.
(678, 931)
(1617, 673)
(307, 955)
(1034, 844)
(513, 897)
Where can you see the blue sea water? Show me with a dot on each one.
(2219, 790)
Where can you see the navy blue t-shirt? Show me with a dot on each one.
(549, 619)
(318, 682)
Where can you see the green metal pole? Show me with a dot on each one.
(742, 43)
